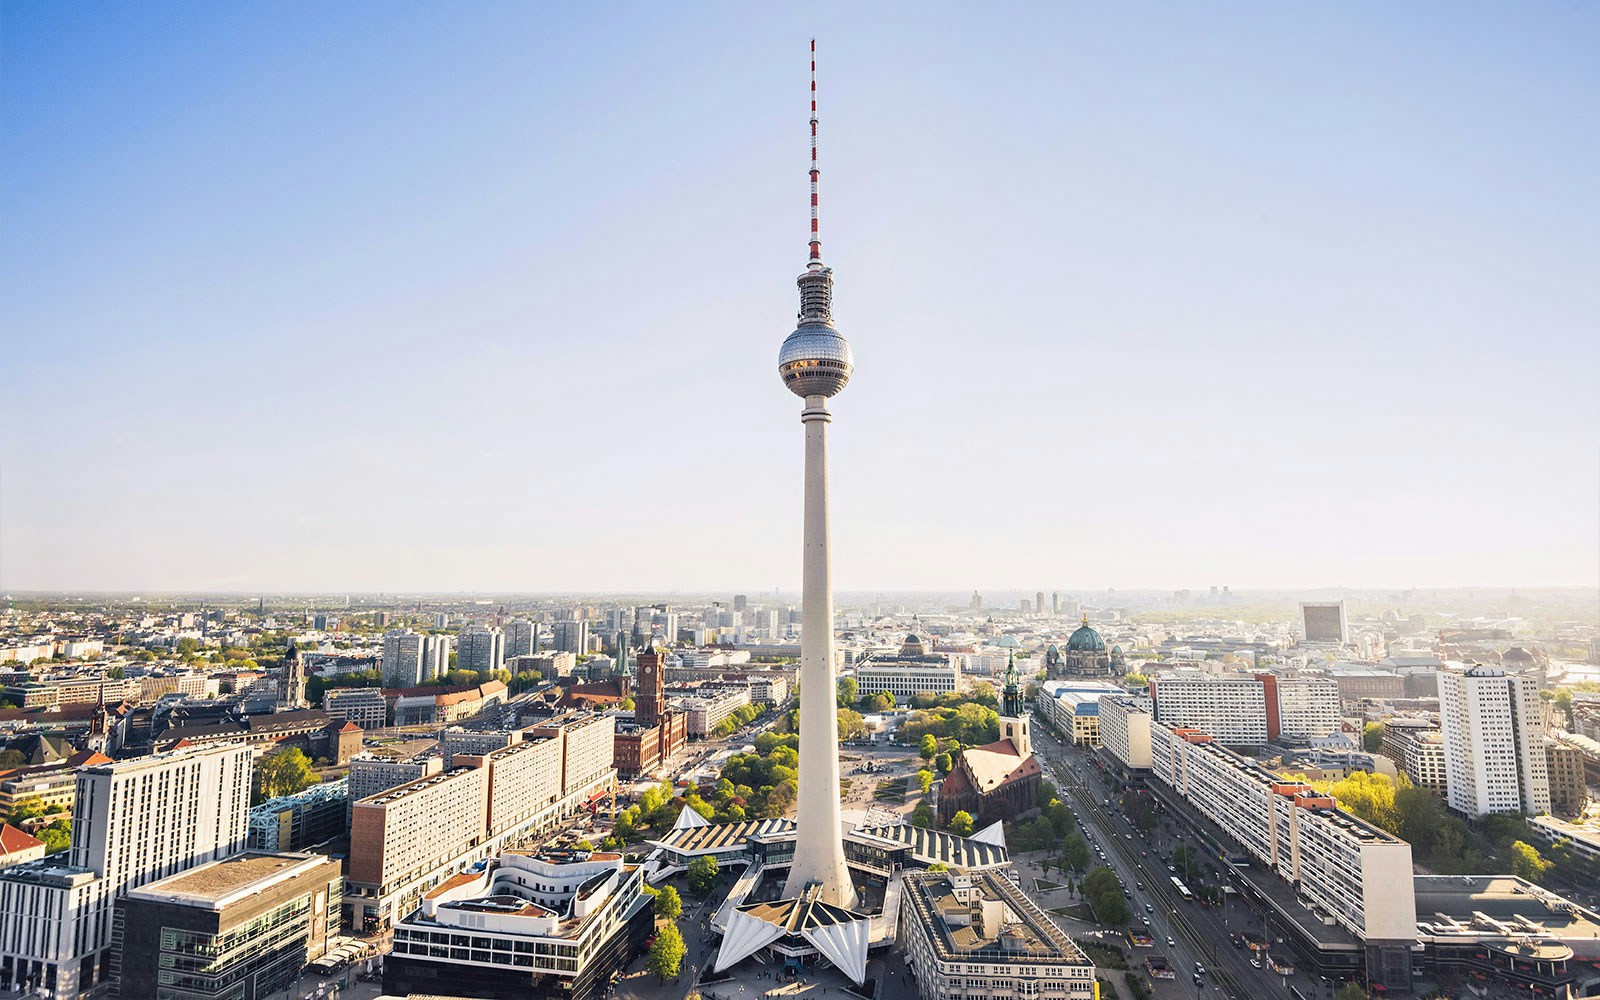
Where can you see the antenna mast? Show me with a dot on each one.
(816, 238)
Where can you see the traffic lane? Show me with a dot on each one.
(1123, 847)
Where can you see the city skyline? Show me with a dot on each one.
(339, 299)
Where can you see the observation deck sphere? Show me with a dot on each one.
(815, 361)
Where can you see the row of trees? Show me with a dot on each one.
(1103, 890)
(736, 720)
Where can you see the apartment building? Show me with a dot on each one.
(136, 821)
(975, 934)
(1343, 869)
(1569, 792)
(372, 775)
(1493, 728)
(410, 838)
(1125, 732)
(1417, 748)
(481, 648)
(1308, 707)
(1233, 712)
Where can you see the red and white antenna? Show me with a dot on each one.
(816, 237)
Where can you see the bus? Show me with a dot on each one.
(1182, 890)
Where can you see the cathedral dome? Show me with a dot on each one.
(1086, 640)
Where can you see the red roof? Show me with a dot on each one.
(13, 840)
(88, 758)
(349, 727)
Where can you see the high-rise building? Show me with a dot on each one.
(1324, 623)
(402, 658)
(135, 821)
(976, 604)
(481, 648)
(740, 602)
(1493, 728)
(522, 638)
(572, 637)
(1055, 603)
(292, 681)
(1569, 789)
(815, 362)
(435, 655)
(441, 620)
(1038, 602)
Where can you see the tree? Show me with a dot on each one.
(668, 903)
(1372, 737)
(1563, 701)
(12, 758)
(1421, 815)
(1350, 991)
(283, 773)
(847, 693)
(1527, 862)
(851, 725)
(1449, 840)
(116, 674)
(943, 763)
(1076, 852)
(1047, 793)
(928, 746)
(584, 845)
(704, 873)
(925, 780)
(188, 646)
(666, 955)
(57, 836)
(922, 816)
(961, 824)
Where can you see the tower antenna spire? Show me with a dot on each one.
(816, 236)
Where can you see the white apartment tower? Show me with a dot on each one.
(402, 658)
(481, 648)
(522, 638)
(1493, 728)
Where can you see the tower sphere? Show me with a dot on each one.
(815, 360)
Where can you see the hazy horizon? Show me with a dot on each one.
(364, 298)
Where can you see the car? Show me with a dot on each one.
(1255, 963)
(1145, 921)
(1172, 869)
(1171, 943)
(1149, 909)
(1197, 981)
(1139, 886)
(1199, 969)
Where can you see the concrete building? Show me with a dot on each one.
(964, 928)
(136, 821)
(372, 775)
(542, 925)
(408, 839)
(402, 658)
(366, 707)
(1417, 748)
(1233, 712)
(914, 669)
(1493, 731)
(1323, 623)
(710, 706)
(1307, 707)
(481, 648)
(1569, 792)
(1072, 708)
(1343, 869)
(522, 638)
(259, 918)
(571, 637)
(1125, 733)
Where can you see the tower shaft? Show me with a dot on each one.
(819, 845)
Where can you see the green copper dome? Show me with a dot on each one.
(1086, 640)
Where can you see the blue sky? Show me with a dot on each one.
(449, 297)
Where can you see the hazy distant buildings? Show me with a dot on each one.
(1324, 623)
(1493, 728)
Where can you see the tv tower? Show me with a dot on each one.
(815, 363)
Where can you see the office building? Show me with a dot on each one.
(539, 925)
(962, 929)
(1324, 623)
(1125, 733)
(1072, 709)
(254, 920)
(1493, 728)
(135, 821)
(522, 638)
(301, 820)
(481, 648)
(365, 707)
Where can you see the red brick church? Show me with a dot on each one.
(998, 780)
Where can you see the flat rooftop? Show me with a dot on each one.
(1498, 905)
(215, 884)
